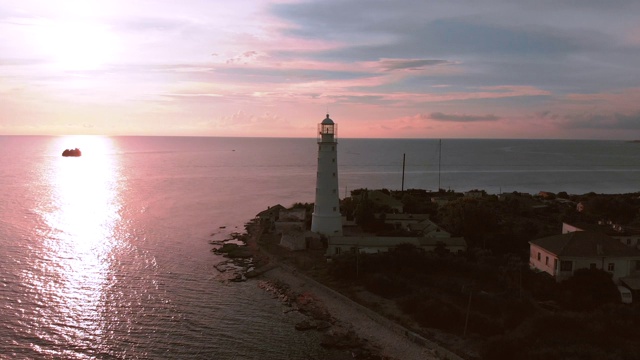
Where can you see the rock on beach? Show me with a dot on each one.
(345, 325)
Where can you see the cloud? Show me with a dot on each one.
(244, 58)
(20, 62)
(419, 28)
(410, 64)
(242, 120)
(499, 44)
(438, 116)
(601, 121)
(145, 24)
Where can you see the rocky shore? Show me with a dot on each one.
(336, 333)
(346, 326)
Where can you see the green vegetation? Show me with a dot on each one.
(489, 293)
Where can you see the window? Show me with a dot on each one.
(592, 266)
(334, 174)
(611, 267)
(546, 261)
(538, 256)
(338, 251)
(334, 209)
(333, 160)
(334, 191)
(566, 265)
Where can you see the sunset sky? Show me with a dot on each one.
(394, 69)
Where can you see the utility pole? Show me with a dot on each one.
(403, 162)
(466, 320)
(357, 261)
(439, 161)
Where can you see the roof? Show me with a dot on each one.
(632, 282)
(585, 244)
(327, 121)
(407, 217)
(430, 241)
(429, 228)
(296, 214)
(391, 241)
(379, 197)
(609, 229)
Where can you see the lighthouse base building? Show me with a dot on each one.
(326, 219)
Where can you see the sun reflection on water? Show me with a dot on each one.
(82, 216)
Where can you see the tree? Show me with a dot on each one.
(471, 218)
(364, 212)
(588, 289)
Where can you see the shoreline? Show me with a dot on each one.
(370, 335)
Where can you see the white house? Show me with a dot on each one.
(373, 244)
(404, 221)
(475, 194)
(429, 237)
(561, 255)
(429, 229)
(380, 198)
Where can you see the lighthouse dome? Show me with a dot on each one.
(327, 121)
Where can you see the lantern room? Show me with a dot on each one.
(327, 131)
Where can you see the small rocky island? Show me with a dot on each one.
(72, 152)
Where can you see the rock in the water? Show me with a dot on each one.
(234, 251)
(72, 152)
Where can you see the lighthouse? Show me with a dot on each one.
(326, 217)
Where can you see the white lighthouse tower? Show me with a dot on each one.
(326, 218)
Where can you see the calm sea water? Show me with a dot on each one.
(106, 256)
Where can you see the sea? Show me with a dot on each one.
(107, 255)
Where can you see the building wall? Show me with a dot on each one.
(567, 228)
(375, 244)
(543, 260)
(293, 241)
(629, 240)
(622, 267)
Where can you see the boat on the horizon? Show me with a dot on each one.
(72, 152)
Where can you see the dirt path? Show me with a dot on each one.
(386, 335)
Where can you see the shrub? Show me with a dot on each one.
(588, 289)
(386, 285)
